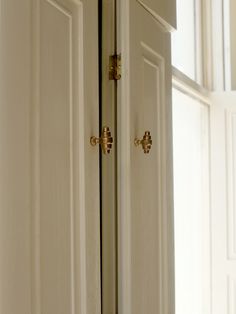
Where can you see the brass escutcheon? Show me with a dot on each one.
(105, 140)
(146, 142)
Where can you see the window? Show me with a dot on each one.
(191, 106)
(205, 230)
(187, 41)
(184, 55)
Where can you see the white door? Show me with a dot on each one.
(145, 203)
(49, 182)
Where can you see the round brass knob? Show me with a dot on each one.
(146, 142)
(105, 140)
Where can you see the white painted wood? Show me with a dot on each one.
(164, 11)
(218, 46)
(230, 21)
(224, 45)
(109, 180)
(229, 7)
(223, 141)
(145, 209)
(15, 237)
(50, 237)
(207, 45)
(227, 44)
(192, 205)
(183, 83)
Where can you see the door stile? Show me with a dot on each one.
(123, 161)
(108, 96)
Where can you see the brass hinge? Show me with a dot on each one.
(115, 67)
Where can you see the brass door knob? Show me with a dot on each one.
(146, 142)
(105, 140)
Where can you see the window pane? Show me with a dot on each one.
(191, 203)
(183, 40)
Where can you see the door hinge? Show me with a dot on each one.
(115, 67)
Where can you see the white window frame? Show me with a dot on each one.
(228, 25)
(224, 48)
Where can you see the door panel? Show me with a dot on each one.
(145, 180)
(56, 180)
(67, 218)
(50, 221)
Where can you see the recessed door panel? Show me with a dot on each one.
(146, 203)
(56, 164)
